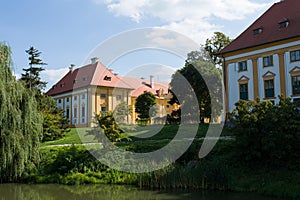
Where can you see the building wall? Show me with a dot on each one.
(164, 108)
(233, 82)
(281, 70)
(264, 70)
(84, 103)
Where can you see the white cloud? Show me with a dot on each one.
(189, 17)
(51, 76)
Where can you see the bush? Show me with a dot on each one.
(267, 134)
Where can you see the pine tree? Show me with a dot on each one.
(31, 77)
(55, 123)
(20, 122)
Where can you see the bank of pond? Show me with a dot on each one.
(113, 192)
(219, 171)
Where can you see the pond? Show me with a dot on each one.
(111, 192)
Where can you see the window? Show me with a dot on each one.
(75, 112)
(82, 121)
(83, 111)
(68, 100)
(103, 110)
(284, 24)
(107, 78)
(243, 66)
(119, 97)
(297, 102)
(103, 96)
(296, 85)
(75, 98)
(59, 100)
(269, 88)
(295, 55)
(257, 31)
(244, 91)
(84, 79)
(68, 113)
(268, 61)
(83, 96)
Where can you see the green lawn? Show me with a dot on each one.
(75, 136)
(137, 133)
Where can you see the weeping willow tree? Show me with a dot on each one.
(20, 124)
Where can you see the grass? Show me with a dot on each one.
(217, 171)
(160, 132)
(137, 133)
(75, 136)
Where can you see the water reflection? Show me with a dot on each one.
(107, 192)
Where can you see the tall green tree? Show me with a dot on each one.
(145, 106)
(55, 124)
(31, 77)
(20, 122)
(205, 81)
(214, 45)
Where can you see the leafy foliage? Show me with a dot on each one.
(205, 80)
(267, 134)
(20, 122)
(55, 124)
(75, 165)
(215, 44)
(106, 128)
(145, 106)
(122, 111)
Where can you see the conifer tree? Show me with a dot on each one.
(55, 124)
(31, 77)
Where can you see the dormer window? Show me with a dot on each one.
(107, 78)
(62, 85)
(257, 31)
(284, 23)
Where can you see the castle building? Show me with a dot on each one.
(264, 60)
(93, 88)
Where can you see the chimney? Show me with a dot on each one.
(94, 60)
(152, 81)
(72, 66)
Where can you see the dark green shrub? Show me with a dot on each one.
(267, 134)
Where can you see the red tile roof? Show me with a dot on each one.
(141, 85)
(93, 74)
(269, 22)
(98, 75)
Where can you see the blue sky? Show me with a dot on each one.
(66, 31)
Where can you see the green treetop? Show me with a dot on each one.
(20, 122)
(31, 77)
